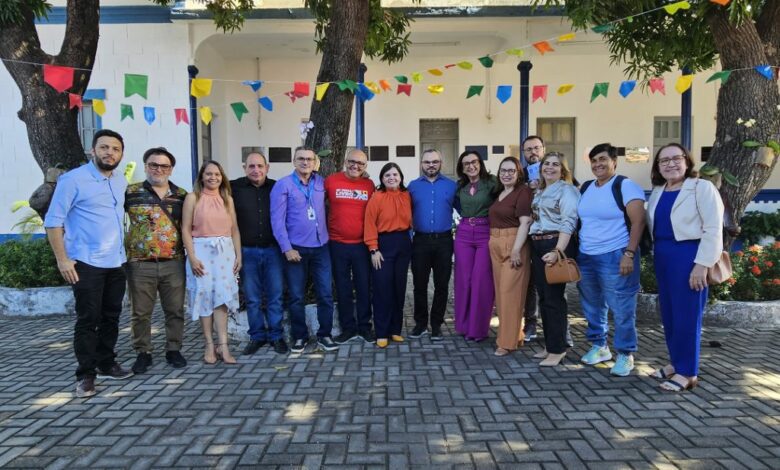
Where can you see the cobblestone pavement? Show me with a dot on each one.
(415, 405)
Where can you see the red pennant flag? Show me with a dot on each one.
(543, 46)
(181, 115)
(449, 66)
(60, 78)
(657, 85)
(539, 92)
(404, 88)
(74, 101)
(301, 89)
(385, 85)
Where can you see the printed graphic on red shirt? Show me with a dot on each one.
(353, 194)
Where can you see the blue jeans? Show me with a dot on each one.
(261, 274)
(352, 270)
(602, 288)
(317, 262)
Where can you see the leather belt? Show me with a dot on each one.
(544, 236)
(433, 235)
(157, 260)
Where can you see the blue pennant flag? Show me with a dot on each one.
(149, 114)
(364, 93)
(627, 87)
(766, 71)
(253, 84)
(266, 103)
(503, 93)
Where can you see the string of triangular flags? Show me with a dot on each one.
(61, 79)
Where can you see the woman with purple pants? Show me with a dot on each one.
(474, 293)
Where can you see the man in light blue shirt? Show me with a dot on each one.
(84, 225)
(433, 196)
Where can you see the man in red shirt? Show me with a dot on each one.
(348, 193)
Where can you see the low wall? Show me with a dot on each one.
(37, 301)
(721, 313)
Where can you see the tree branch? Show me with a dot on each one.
(768, 29)
(79, 46)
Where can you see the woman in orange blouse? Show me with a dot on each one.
(386, 233)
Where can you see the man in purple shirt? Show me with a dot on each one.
(298, 222)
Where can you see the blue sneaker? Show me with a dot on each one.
(596, 354)
(624, 364)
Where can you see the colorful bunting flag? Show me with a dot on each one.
(435, 72)
(200, 87)
(99, 106)
(125, 111)
(58, 77)
(404, 88)
(149, 115)
(683, 83)
(543, 47)
(723, 76)
(74, 101)
(363, 92)
(385, 85)
(657, 85)
(239, 109)
(205, 114)
(563, 89)
(603, 28)
(319, 90)
(401, 79)
(539, 92)
(181, 115)
(599, 89)
(515, 52)
(253, 84)
(416, 77)
(566, 37)
(373, 87)
(465, 65)
(435, 89)
(449, 66)
(486, 61)
(675, 7)
(627, 87)
(136, 85)
(503, 93)
(721, 2)
(301, 89)
(266, 103)
(474, 90)
(766, 71)
(347, 85)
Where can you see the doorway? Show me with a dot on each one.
(558, 135)
(442, 135)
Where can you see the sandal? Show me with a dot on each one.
(663, 373)
(210, 347)
(673, 385)
(501, 352)
(541, 354)
(552, 360)
(225, 357)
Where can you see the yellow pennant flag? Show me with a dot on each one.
(683, 83)
(436, 72)
(465, 65)
(200, 87)
(99, 106)
(566, 37)
(416, 77)
(205, 115)
(515, 52)
(319, 90)
(435, 89)
(563, 89)
(373, 87)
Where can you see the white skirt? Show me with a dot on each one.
(218, 286)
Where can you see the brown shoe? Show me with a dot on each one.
(85, 387)
(116, 372)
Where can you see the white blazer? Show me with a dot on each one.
(697, 214)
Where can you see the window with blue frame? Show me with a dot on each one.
(88, 121)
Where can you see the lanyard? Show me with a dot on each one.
(307, 191)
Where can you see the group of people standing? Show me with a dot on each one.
(344, 230)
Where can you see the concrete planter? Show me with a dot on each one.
(721, 313)
(238, 326)
(37, 301)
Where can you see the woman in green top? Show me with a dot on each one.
(474, 293)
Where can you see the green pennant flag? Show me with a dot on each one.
(351, 85)
(239, 109)
(603, 28)
(599, 89)
(486, 61)
(125, 111)
(401, 78)
(136, 84)
(723, 76)
(474, 90)
(515, 51)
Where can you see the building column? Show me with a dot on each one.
(524, 67)
(686, 103)
(193, 72)
(360, 115)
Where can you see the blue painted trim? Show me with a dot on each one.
(95, 94)
(360, 115)
(767, 195)
(4, 237)
(116, 15)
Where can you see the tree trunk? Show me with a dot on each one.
(346, 37)
(746, 95)
(52, 128)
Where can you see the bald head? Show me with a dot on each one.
(355, 163)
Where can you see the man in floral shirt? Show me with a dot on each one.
(156, 258)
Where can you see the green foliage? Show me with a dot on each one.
(14, 11)
(229, 15)
(756, 225)
(28, 263)
(647, 275)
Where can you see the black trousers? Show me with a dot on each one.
(99, 295)
(431, 253)
(531, 311)
(390, 283)
(552, 298)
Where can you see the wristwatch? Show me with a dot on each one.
(629, 253)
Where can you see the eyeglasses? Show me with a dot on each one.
(160, 167)
(666, 161)
(431, 163)
(474, 163)
(356, 163)
(532, 149)
(304, 160)
(507, 171)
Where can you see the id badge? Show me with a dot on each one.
(310, 213)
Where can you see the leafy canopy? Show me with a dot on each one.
(14, 11)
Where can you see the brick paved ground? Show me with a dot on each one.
(417, 405)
